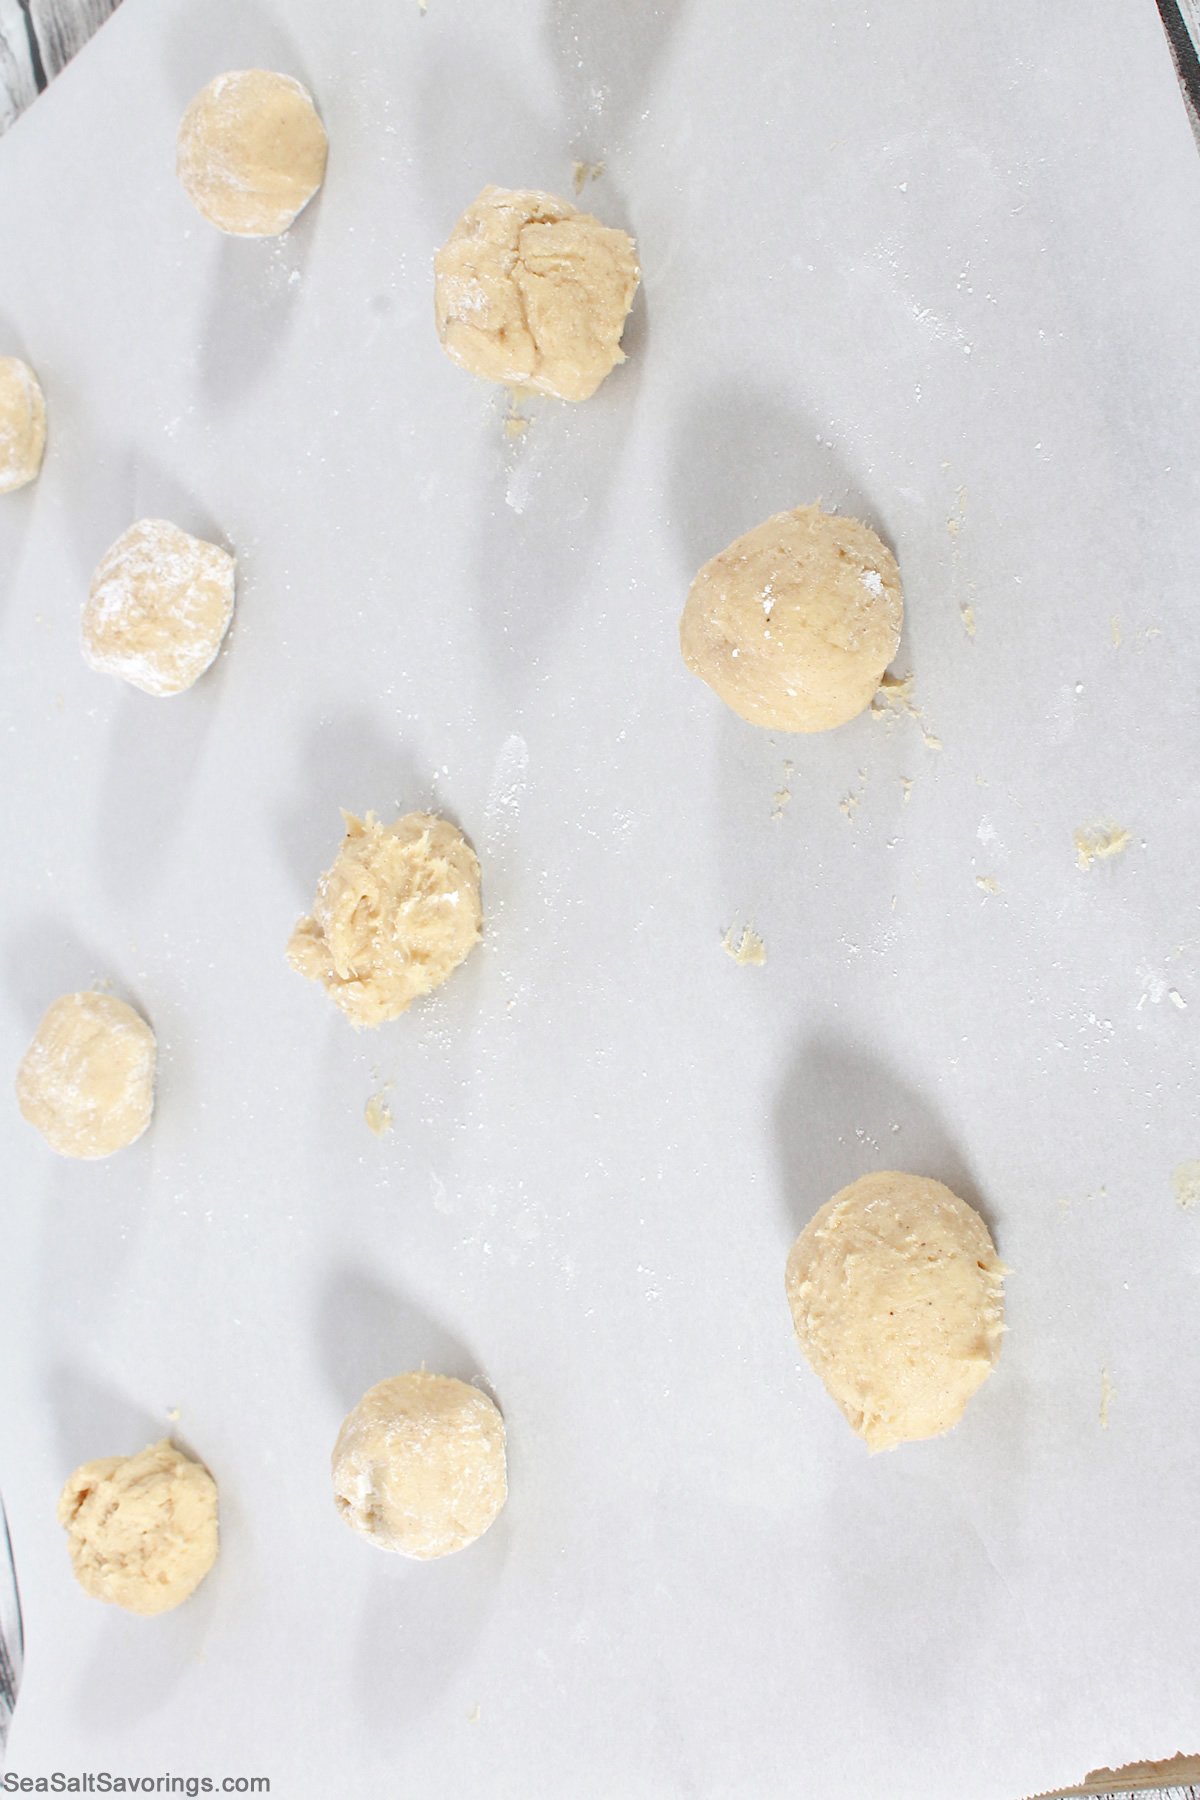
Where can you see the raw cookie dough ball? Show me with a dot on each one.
(793, 625)
(141, 1530)
(251, 152)
(895, 1291)
(419, 1466)
(22, 424)
(394, 916)
(87, 1079)
(531, 291)
(160, 604)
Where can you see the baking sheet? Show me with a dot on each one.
(936, 265)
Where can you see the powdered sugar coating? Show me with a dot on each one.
(251, 151)
(22, 424)
(160, 604)
(419, 1465)
(87, 1079)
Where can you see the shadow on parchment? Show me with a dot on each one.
(421, 1619)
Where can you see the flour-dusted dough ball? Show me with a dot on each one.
(419, 1465)
(22, 424)
(87, 1079)
(393, 917)
(794, 624)
(160, 604)
(895, 1291)
(251, 152)
(141, 1530)
(532, 292)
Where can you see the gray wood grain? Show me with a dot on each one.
(37, 39)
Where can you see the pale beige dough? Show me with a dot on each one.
(22, 424)
(530, 291)
(419, 1465)
(895, 1291)
(141, 1530)
(251, 152)
(794, 624)
(87, 1079)
(393, 917)
(159, 607)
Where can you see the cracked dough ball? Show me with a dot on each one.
(251, 152)
(895, 1291)
(87, 1079)
(532, 292)
(393, 917)
(22, 424)
(141, 1530)
(419, 1465)
(160, 605)
(793, 625)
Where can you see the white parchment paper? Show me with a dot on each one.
(937, 265)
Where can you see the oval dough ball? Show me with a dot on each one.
(160, 604)
(530, 291)
(22, 424)
(895, 1291)
(87, 1079)
(419, 1465)
(793, 625)
(251, 152)
(393, 917)
(141, 1530)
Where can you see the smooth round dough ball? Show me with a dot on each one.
(895, 1291)
(419, 1465)
(87, 1079)
(160, 605)
(794, 624)
(393, 917)
(251, 152)
(22, 424)
(141, 1530)
(532, 292)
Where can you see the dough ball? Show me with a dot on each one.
(87, 1079)
(533, 292)
(160, 604)
(394, 916)
(251, 152)
(895, 1291)
(22, 424)
(419, 1467)
(794, 624)
(141, 1530)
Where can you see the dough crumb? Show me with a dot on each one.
(583, 172)
(988, 883)
(784, 793)
(1115, 632)
(251, 152)
(894, 698)
(1095, 842)
(968, 619)
(749, 949)
(22, 424)
(159, 607)
(1107, 1395)
(393, 918)
(378, 1115)
(895, 1291)
(141, 1530)
(529, 290)
(1185, 1184)
(87, 1079)
(419, 1465)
